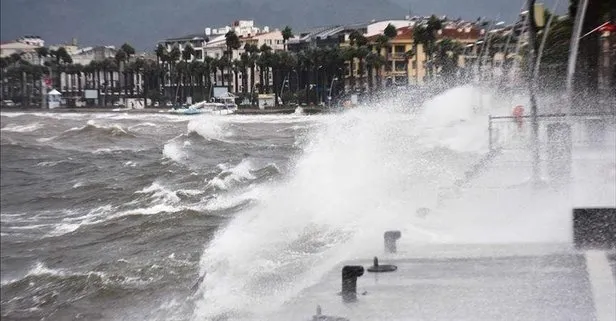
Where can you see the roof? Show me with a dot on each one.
(355, 26)
(191, 36)
(216, 41)
(404, 33)
(450, 32)
(85, 50)
(316, 32)
(460, 33)
(259, 35)
(17, 45)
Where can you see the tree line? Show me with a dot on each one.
(308, 76)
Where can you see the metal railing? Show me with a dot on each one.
(587, 129)
(396, 55)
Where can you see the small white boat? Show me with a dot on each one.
(186, 111)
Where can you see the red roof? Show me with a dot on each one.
(462, 33)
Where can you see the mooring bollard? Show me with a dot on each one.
(321, 317)
(376, 267)
(350, 273)
(390, 240)
(594, 228)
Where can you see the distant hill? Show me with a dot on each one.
(144, 22)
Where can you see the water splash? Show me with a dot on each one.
(360, 173)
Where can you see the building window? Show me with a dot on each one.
(400, 49)
(199, 54)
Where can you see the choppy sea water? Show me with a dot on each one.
(105, 216)
(117, 216)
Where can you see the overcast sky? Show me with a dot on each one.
(145, 22)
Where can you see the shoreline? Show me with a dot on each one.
(243, 111)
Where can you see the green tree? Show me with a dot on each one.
(287, 33)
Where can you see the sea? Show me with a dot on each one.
(153, 216)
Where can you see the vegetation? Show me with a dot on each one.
(310, 76)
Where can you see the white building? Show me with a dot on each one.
(377, 27)
(25, 46)
(272, 39)
(32, 40)
(212, 43)
(84, 56)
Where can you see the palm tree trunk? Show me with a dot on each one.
(236, 80)
(261, 80)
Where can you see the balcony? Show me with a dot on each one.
(396, 56)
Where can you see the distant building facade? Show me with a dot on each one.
(24, 46)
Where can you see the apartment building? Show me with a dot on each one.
(24, 46)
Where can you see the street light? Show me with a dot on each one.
(329, 97)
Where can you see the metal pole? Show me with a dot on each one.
(574, 47)
(489, 132)
(329, 97)
(532, 34)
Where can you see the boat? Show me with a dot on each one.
(216, 106)
(186, 111)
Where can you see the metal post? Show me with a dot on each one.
(490, 132)
(532, 35)
(329, 97)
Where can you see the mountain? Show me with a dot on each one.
(143, 23)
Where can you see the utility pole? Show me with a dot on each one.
(532, 37)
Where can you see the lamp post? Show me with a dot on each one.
(284, 82)
(532, 35)
(329, 97)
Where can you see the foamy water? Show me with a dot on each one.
(263, 206)
(363, 172)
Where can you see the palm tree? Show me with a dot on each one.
(245, 63)
(208, 67)
(236, 66)
(223, 64)
(287, 33)
(381, 42)
(253, 52)
(187, 55)
(232, 41)
(359, 41)
(420, 37)
(447, 52)
(264, 63)
(349, 54)
(286, 62)
(172, 58)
